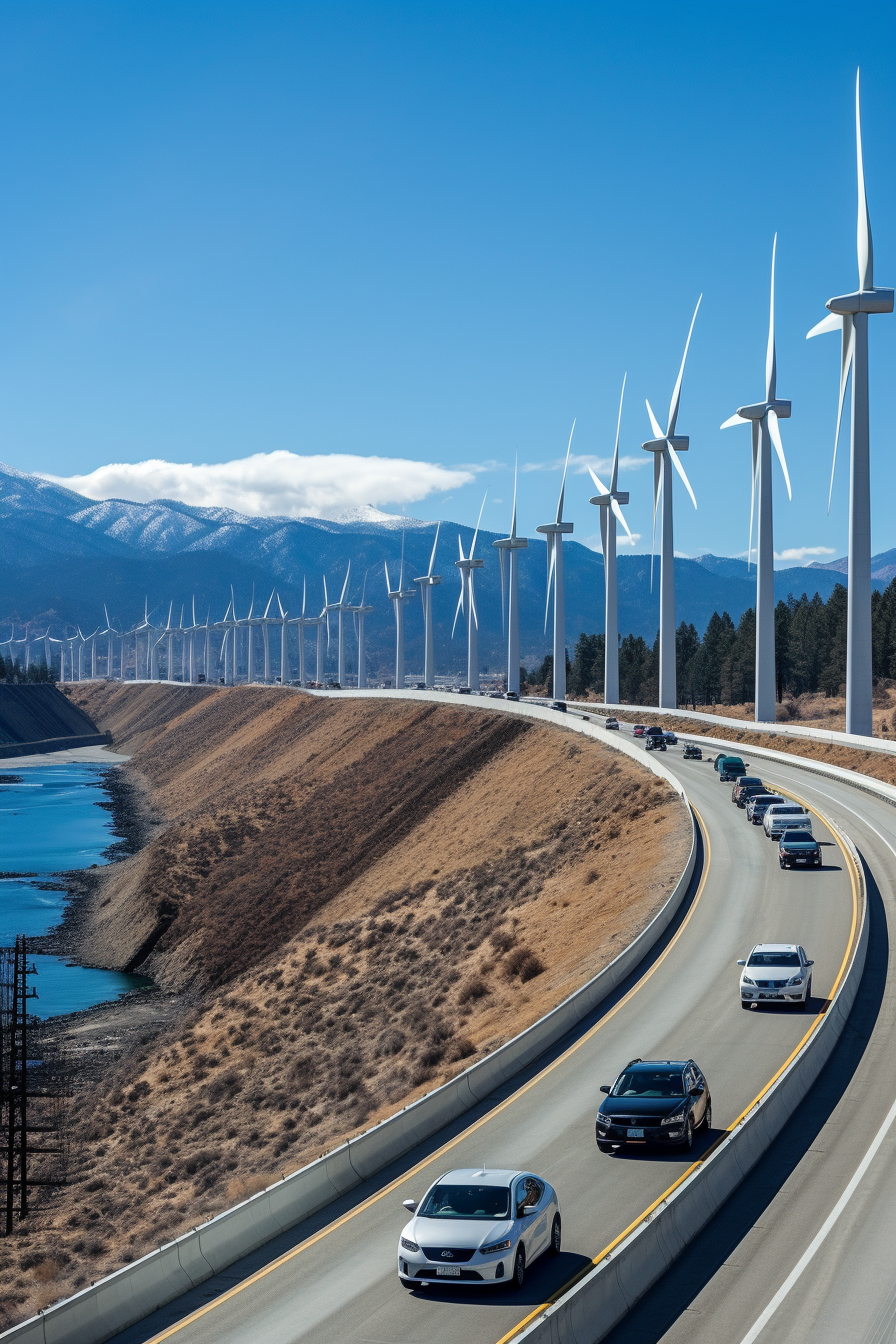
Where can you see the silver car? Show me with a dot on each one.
(758, 805)
(781, 817)
(482, 1227)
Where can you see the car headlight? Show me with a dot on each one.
(745, 980)
(409, 1245)
(676, 1119)
(795, 980)
(495, 1246)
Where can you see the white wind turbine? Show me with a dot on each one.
(266, 640)
(665, 448)
(510, 545)
(359, 613)
(763, 417)
(849, 316)
(609, 501)
(284, 644)
(554, 533)
(427, 582)
(339, 607)
(467, 602)
(398, 597)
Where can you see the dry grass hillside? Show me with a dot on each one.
(351, 900)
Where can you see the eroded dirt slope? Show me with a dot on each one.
(353, 900)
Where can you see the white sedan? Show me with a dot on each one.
(483, 1226)
(776, 973)
(781, 817)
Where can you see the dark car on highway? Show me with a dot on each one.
(796, 849)
(745, 788)
(659, 1102)
(655, 743)
(692, 753)
(731, 767)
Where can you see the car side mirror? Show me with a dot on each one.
(742, 961)
(605, 1088)
(409, 1204)
(810, 963)
(529, 1209)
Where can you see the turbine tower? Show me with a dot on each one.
(340, 607)
(763, 418)
(510, 545)
(609, 501)
(467, 602)
(398, 597)
(665, 448)
(359, 614)
(427, 582)
(554, 533)
(849, 316)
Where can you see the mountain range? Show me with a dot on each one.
(64, 557)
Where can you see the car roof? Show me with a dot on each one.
(638, 1064)
(797, 838)
(787, 802)
(776, 947)
(481, 1176)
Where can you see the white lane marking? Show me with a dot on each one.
(754, 1332)
(860, 1171)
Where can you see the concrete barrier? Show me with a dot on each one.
(8, 750)
(625, 1272)
(135, 1291)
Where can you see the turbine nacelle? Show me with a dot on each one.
(862, 301)
(469, 564)
(680, 442)
(621, 497)
(761, 408)
(555, 527)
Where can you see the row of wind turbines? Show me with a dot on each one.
(848, 314)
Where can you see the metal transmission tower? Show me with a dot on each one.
(509, 546)
(398, 597)
(609, 500)
(427, 582)
(467, 602)
(665, 448)
(554, 533)
(763, 418)
(849, 316)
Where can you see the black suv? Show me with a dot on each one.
(692, 753)
(799, 849)
(657, 1101)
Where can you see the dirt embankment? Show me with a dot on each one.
(352, 900)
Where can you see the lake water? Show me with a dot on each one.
(52, 821)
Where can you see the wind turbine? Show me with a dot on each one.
(609, 501)
(427, 582)
(339, 607)
(554, 533)
(763, 417)
(665, 448)
(266, 640)
(284, 644)
(849, 316)
(398, 597)
(467, 602)
(510, 545)
(359, 614)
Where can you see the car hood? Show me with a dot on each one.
(460, 1232)
(658, 1106)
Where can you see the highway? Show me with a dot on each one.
(336, 1280)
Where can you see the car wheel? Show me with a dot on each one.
(555, 1235)
(687, 1142)
(519, 1268)
(780, 863)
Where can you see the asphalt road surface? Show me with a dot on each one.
(336, 1275)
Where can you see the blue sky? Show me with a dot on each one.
(438, 232)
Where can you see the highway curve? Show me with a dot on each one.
(804, 1252)
(336, 1279)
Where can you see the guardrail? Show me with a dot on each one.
(629, 1268)
(133, 1292)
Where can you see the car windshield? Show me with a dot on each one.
(798, 840)
(789, 811)
(775, 959)
(466, 1201)
(748, 782)
(649, 1083)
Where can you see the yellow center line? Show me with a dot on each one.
(586, 1269)
(452, 1143)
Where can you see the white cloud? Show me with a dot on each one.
(799, 553)
(279, 483)
(580, 462)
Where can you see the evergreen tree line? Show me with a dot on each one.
(810, 655)
(14, 674)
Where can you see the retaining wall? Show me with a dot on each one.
(38, 718)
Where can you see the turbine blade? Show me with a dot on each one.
(478, 521)
(864, 247)
(501, 562)
(598, 483)
(771, 365)
(345, 585)
(401, 570)
(473, 611)
(846, 351)
(304, 593)
(779, 449)
(676, 395)
(460, 549)
(680, 469)
(268, 607)
(550, 539)
(657, 489)
(734, 420)
(460, 604)
(565, 468)
(615, 472)
(657, 432)
(513, 519)
(755, 436)
(364, 586)
(614, 505)
(388, 584)
(326, 599)
(432, 558)
(832, 322)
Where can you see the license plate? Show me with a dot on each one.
(801, 860)
(448, 1271)
(634, 1133)
(771, 996)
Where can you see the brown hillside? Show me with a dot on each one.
(361, 898)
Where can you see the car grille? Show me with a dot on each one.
(433, 1274)
(771, 984)
(449, 1255)
(634, 1121)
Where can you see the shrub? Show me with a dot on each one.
(524, 963)
(472, 989)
